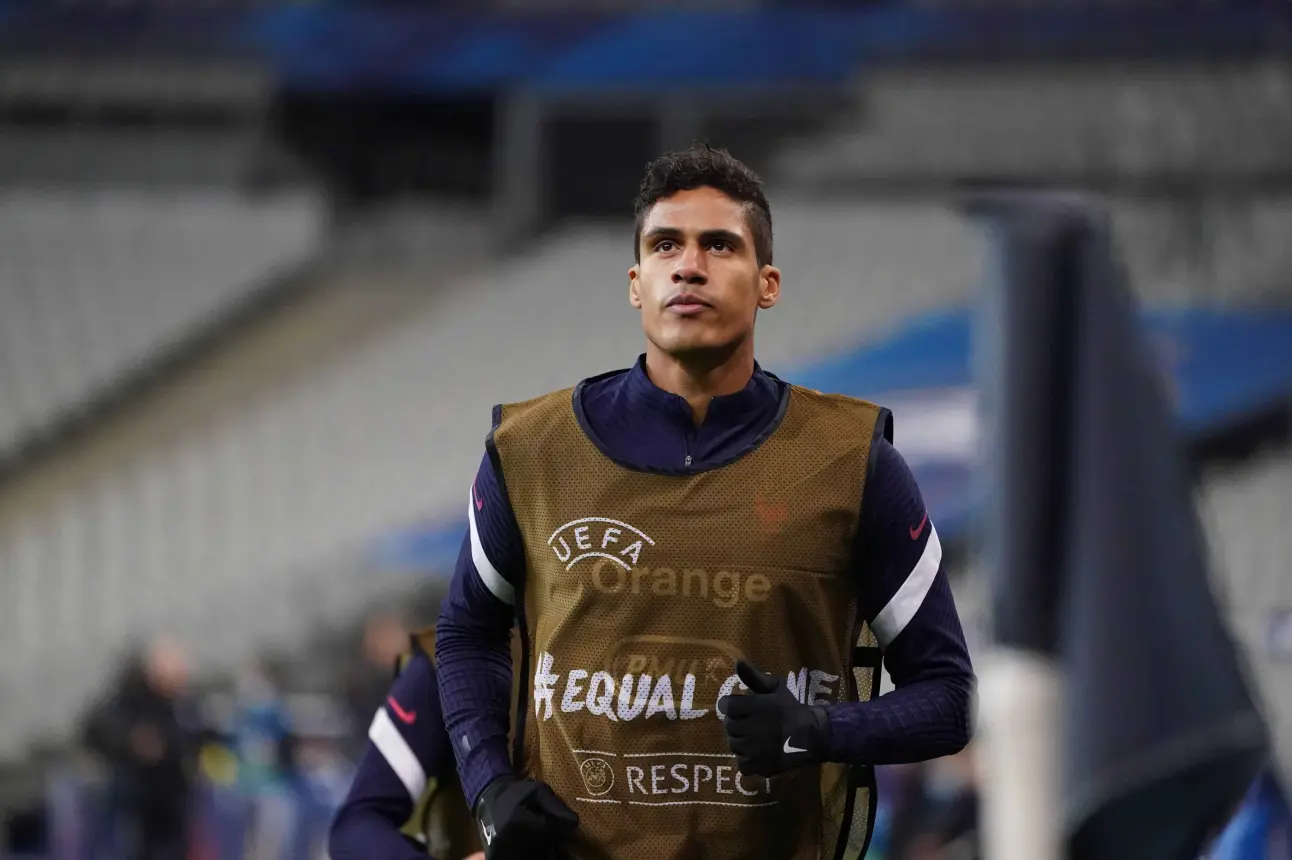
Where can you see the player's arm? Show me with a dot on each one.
(473, 636)
(907, 601)
(406, 746)
(518, 817)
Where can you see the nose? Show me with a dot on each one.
(691, 267)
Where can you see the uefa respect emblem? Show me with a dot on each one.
(598, 776)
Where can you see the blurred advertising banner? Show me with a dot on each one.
(459, 47)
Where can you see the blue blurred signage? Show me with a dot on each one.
(435, 47)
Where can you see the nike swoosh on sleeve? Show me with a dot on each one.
(406, 717)
(919, 530)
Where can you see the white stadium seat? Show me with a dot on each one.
(95, 284)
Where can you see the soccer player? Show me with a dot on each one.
(704, 563)
(405, 801)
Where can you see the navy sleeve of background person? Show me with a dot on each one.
(406, 746)
(473, 637)
(907, 600)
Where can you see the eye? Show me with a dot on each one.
(665, 245)
(719, 245)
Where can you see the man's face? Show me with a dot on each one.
(166, 664)
(699, 284)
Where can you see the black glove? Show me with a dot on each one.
(523, 819)
(769, 730)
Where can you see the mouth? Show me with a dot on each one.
(687, 304)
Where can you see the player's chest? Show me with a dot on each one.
(709, 537)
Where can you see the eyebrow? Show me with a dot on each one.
(657, 234)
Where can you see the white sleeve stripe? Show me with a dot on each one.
(398, 754)
(489, 574)
(894, 617)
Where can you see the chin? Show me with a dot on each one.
(695, 338)
(710, 348)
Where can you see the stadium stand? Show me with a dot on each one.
(1210, 250)
(1054, 123)
(262, 514)
(98, 283)
(258, 501)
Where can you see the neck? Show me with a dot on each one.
(699, 377)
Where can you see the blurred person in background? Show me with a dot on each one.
(901, 789)
(321, 775)
(945, 814)
(259, 738)
(405, 801)
(141, 734)
(693, 512)
(385, 638)
(273, 773)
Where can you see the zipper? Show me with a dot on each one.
(688, 431)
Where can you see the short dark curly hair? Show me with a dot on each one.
(705, 167)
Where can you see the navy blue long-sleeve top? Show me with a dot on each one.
(407, 745)
(904, 591)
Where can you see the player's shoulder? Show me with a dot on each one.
(518, 407)
(419, 659)
(853, 413)
(525, 418)
(829, 400)
(422, 641)
(535, 409)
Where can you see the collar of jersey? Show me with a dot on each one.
(634, 386)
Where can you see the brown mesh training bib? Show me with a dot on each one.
(643, 589)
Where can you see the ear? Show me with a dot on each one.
(634, 298)
(769, 285)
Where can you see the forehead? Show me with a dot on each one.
(696, 211)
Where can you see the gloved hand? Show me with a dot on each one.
(768, 729)
(522, 818)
